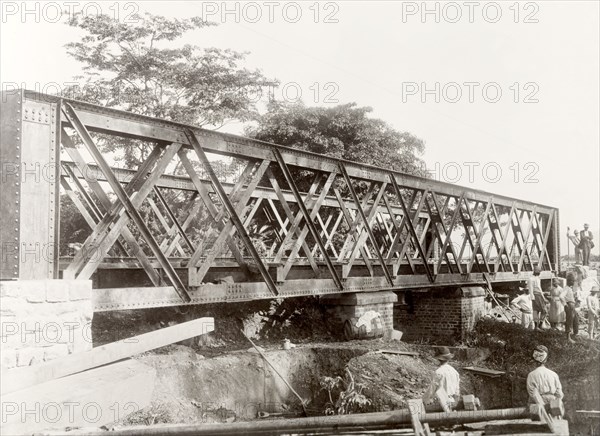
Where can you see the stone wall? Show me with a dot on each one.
(352, 306)
(439, 314)
(44, 319)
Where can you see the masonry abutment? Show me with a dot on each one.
(439, 314)
(359, 315)
(42, 320)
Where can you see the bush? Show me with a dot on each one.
(511, 347)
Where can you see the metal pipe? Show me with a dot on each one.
(322, 424)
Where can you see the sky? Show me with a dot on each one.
(504, 94)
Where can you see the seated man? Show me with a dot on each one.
(542, 380)
(445, 383)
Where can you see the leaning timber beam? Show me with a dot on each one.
(20, 378)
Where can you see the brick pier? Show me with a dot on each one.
(439, 313)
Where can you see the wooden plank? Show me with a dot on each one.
(484, 371)
(87, 399)
(20, 378)
(402, 353)
(416, 408)
(544, 417)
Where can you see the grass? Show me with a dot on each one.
(511, 348)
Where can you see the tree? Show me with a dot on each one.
(344, 131)
(135, 67)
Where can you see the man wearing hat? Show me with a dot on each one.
(574, 238)
(538, 300)
(542, 380)
(571, 317)
(586, 244)
(445, 378)
(524, 303)
(593, 311)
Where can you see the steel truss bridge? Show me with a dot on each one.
(284, 223)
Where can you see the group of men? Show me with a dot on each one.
(558, 306)
(541, 382)
(583, 242)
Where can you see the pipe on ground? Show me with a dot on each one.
(321, 424)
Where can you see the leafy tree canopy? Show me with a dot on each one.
(344, 131)
(134, 67)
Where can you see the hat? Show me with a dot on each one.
(576, 231)
(540, 353)
(444, 354)
(594, 289)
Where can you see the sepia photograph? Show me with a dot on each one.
(300, 218)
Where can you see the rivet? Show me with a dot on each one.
(16, 257)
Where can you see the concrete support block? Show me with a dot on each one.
(79, 290)
(350, 311)
(30, 356)
(56, 291)
(9, 289)
(44, 319)
(55, 351)
(8, 358)
(34, 292)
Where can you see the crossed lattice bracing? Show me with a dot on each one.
(283, 222)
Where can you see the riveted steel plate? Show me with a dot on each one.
(10, 186)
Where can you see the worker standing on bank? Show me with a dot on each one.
(593, 313)
(538, 300)
(543, 380)
(445, 378)
(571, 316)
(524, 303)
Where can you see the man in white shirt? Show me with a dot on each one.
(576, 242)
(542, 380)
(445, 378)
(524, 303)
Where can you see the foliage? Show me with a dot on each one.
(344, 131)
(136, 67)
(511, 346)
(73, 228)
(350, 399)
